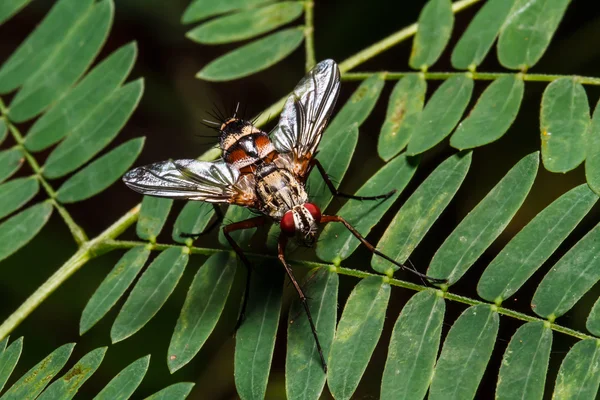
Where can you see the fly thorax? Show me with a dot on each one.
(278, 190)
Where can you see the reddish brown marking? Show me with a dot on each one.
(262, 141)
(272, 156)
(236, 155)
(248, 169)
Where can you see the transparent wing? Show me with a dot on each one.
(306, 112)
(213, 182)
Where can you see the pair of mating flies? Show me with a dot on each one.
(266, 173)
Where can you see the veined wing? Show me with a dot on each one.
(305, 114)
(214, 182)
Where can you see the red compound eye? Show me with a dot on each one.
(314, 211)
(287, 224)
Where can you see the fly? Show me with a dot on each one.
(266, 173)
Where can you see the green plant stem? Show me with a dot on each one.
(86, 252)
(77, 232)
(123, 244)
(309, 29)
(483, 76)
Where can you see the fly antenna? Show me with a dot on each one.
(237, 107)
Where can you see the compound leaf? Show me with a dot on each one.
(16, 193)
(35, 380)
(525, 362)
(202, 9)
(101, 173)
(8, 8)
(124, 384)
(246, 24)
(253, 57)
(99, 128)
(336, 242)
(404, 106)
(564, 122)
(69, 60)
(485, 222)
(150, 293)
(202, 309)
(153, 215)
(9, 357)
(528, 30)
(433, 33)
(19, 229)
(193, 219)
(304, 376)
(177, 391)
(579, 374)
(10, 162)
(493, 114)
(441, 114)
(357, 335)
(465, 354)
(75, 107)
(534, 244)
(113, 287)
(420, 211)
(413, 347)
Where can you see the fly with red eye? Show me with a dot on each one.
(266, 173)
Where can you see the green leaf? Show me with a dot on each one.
(527, 31)
(177, 391)
(359, 105)
(202, 9)
(96, 132)
(525, 362)
(579, 374)
(3, 130)
(334, 154)
(420, 211)
(255, 338)
(150, 292)
(533, 245)
(564, 121)
(336, 242)
(153, 215)
(414, 347)
(42, 43)
(36, 379)
(493, 114)
(101, 173)
(570, 278)
(242, 237)
(485, 222)
(124, 384)
(193, 218)
(253, 57)
(72, 110)
(404, 106)
(465, 354)
(16, 193)
(246, 24)
(441, 114)
(593, 321)
(8, 8)
(69, 60)
(9, 357)
(478, 38)
(10, 162)
(202, 309)
(67, 386)
(433, 33)
(592, 161)
(357, 335)
(113, 287)
(19, 229)
(304, 376)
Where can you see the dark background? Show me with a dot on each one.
(169, 115)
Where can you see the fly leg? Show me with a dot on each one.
(236, 226)
(335, 192)
(335, 218)
(209, 228)
(281, 248)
